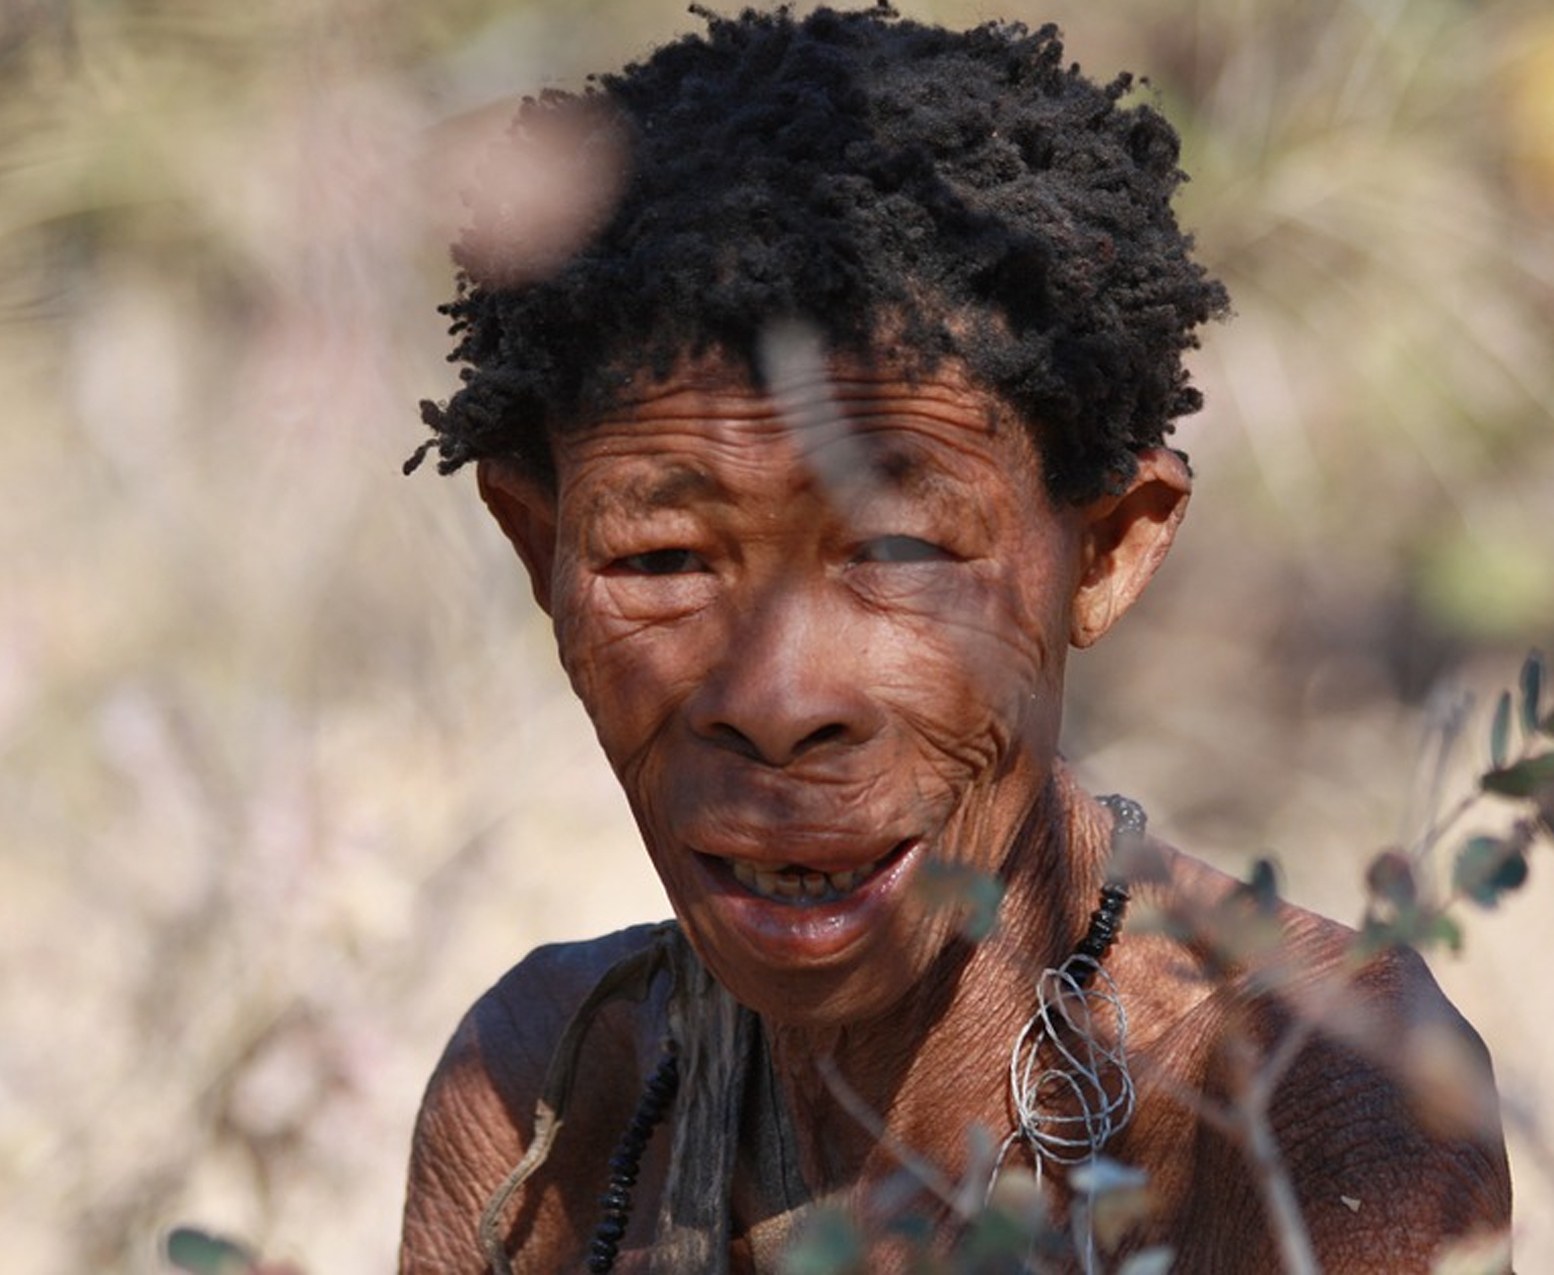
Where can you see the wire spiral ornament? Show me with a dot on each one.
(1069, 1108)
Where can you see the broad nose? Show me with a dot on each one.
(792, 682)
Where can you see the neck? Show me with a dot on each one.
(913, 1082)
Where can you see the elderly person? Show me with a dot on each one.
(847, 421)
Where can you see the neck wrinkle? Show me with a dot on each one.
(909, 1068)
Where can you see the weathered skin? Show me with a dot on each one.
(842, 642)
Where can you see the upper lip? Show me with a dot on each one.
(775, 849)
(775, 821)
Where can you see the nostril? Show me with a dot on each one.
(774, 752)
(821, 735)
(734, 739)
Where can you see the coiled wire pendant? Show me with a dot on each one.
(1070, 1106)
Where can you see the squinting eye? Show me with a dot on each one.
(661, 562)
(901, 549)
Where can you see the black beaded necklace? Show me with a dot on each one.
(662, 1086)
(1105, 922)
(1128, 819)
(664, 1083)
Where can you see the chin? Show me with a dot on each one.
(863, 983)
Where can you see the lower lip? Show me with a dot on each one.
(804, 931)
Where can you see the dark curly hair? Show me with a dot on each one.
(965, 192)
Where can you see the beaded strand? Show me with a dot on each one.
(627, 1160)
(1106, 920)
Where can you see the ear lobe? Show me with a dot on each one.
(1126, 538)
(526, 512)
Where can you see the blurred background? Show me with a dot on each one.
(288, 774)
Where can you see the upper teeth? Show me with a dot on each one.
(797, 882)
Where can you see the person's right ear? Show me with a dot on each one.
(526, 512)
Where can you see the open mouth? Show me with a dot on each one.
(797, 884)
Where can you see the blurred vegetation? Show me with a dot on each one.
(286, 768)
(1417, 897)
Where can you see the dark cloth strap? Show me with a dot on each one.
(714, 1034)
(628, 978)
(721, 1055)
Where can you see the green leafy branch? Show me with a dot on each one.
(1486, 866)
(196, 1252)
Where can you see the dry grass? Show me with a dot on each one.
(287, 771)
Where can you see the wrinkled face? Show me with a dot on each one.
(820, 646)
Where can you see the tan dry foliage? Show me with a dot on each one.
(289, 773)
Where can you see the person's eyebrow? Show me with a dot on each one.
(879, 468)
(890, 467)
(673, 487)
(899, 467)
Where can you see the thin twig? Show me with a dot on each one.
(1452, 725)
(1273, 1179)
(1438, 828)
(852, 1103)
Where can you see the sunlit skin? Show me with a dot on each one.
(828, 650)
(830, 646)
(822, 648)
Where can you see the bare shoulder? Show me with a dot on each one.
(1380, 1096)
(1388, 1117)
(477, 1115)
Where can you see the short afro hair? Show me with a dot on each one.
(966, 193)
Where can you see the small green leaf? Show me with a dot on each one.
(1487, 868)
(1513, 872)
(200, 1253)
(1442, 929)
(994, 1236)
(1018, 1194)
(1262, 886)
(1525, 779)
(915, 1228)
(987, 892)
(1376, 935)
(1390, 877)
(829, 1245)
(1532, 692)
(1500, 732)
(1476, 864)
(1413, 926)
(976, 894)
